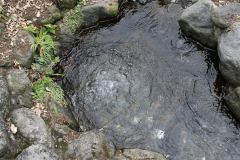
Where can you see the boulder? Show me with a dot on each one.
(51, 16)
(90, 145)
(20, 88)
(233, 102)
(138, 154)
(30, 126)
(67, 4)
(4, 94)
(228, 51)
(38, 152)
(88, 15)
(4, 139)
(224, 16)
(23, 52)
(196, 22)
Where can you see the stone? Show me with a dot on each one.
(90, 145)
(67, 4)
(224, 16)
(139, 154)
(51, 16)
(30, 126)
(88, 15)
(20, 88)
(228, 52)
(4, 94)
(142, 1)
(196, 22)
(23, 52)
(4, 139)
(233, 102)
(38, 152)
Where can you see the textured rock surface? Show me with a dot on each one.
(90, 145)
(228, 51)
(225, 15)
(20, 88)
(196, 22)
(67, 4)
(23, 52)
(4, 139)
(139, 154)
(30, 126)
(38, 152)
(4, 94)
(233, 102)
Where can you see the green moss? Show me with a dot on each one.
(73, 19)
(113, 9)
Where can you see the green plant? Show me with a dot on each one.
(47, 87)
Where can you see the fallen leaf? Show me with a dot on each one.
(13, 129)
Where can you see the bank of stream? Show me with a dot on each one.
(147, 86)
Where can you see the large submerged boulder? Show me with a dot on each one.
(224, 16)
(228, 51)
(196, 22)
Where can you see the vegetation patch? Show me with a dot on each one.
(45, 58)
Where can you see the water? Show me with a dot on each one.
(146, 86)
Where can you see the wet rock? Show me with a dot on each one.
(38, 152)
(4, 139)
(67, 4)
(233, 102)
(228, 51)
(139, 154)
(89, 15)
(224, 16)
(20, 88)
(196, 22)
(30, 126)
(23, 52)
(90, 145)
(4, 94)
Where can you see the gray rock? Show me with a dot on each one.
(67, 4)
(51, 16)
(139, 154)
(4, 94)
(20, 88)
(4, 139)
(225, 15)
(142, 1)
(88, 15)
(233, 102)
(90, 145)
(30, 126)
(196, 22)
(38, 152)
(23, 52)
(228, 51)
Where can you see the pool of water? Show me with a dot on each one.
(146, 86)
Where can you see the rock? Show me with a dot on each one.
(62, 130)
(88, 15)
(90, 145)
(30, 126)
(142, 1)
(196, 22)
(38, 152)
(139, 154)
(224, 16)
(23, 52)
(233, 102)
(4, 94)
(61, 113)
(51, 16)
(4, 139)
(20, 88)
(228, 51)
(67, 4)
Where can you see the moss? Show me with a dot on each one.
(113, 9)
(73, 19)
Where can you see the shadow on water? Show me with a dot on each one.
(147, 86)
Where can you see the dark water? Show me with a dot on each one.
(146, 86)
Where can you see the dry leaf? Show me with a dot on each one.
(13, 129)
